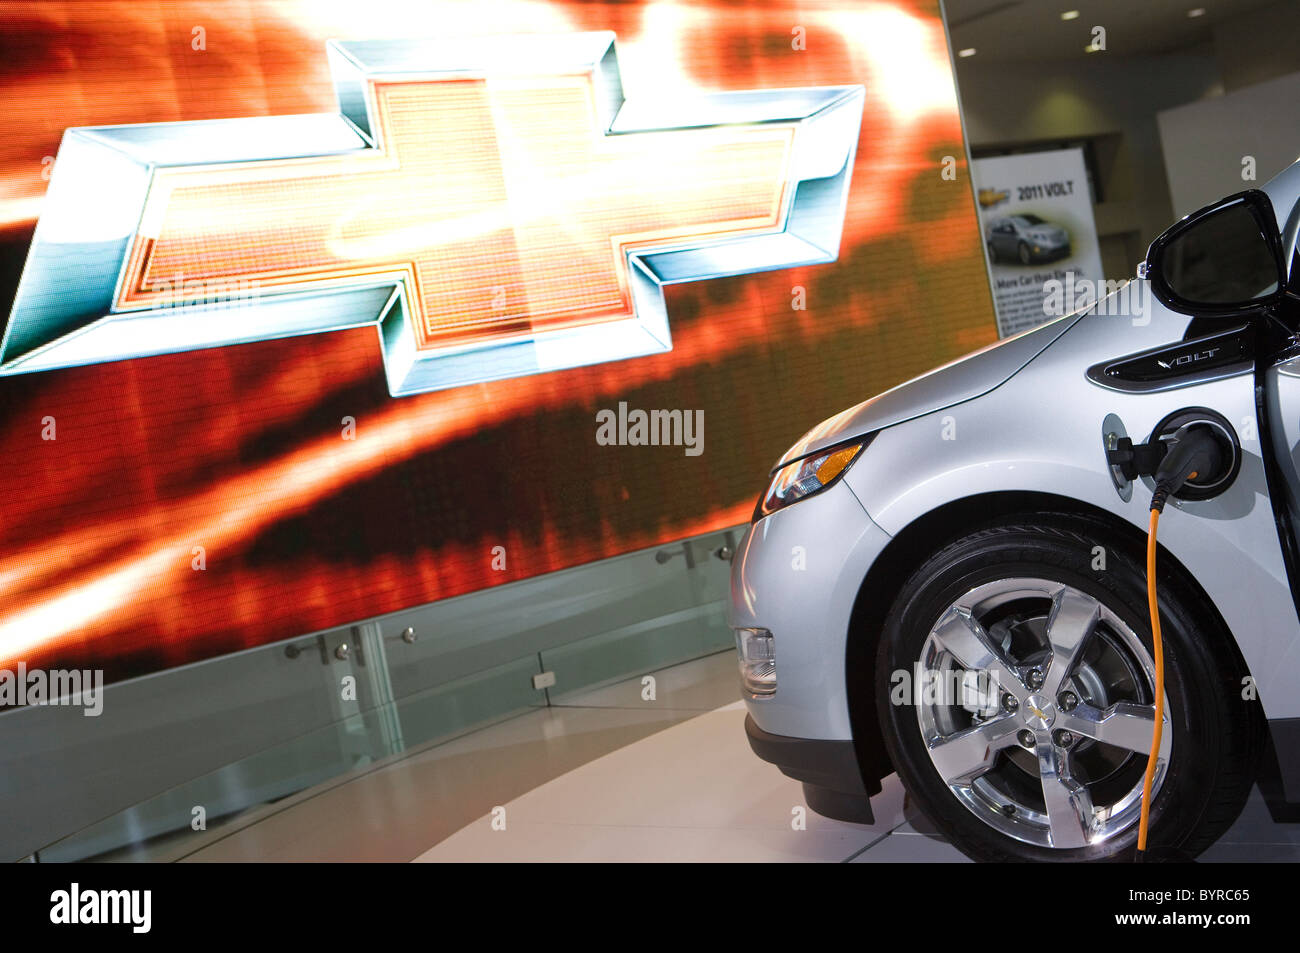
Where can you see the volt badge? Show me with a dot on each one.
(494, 207)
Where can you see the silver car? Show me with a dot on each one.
(1027, 239)
(948, 580)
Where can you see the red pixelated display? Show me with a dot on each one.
(237, 459)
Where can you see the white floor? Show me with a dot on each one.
(607, 775)
(695, 792)
(644, 802)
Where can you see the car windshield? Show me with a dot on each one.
(1032, 220)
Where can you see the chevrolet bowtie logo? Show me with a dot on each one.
(493, 206)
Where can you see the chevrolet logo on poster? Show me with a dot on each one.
(493, 206)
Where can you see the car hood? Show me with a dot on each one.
(964, 379)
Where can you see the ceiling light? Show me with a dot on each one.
(1070, 15)
(969, 51)
(1196, 12)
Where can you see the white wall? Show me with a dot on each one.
(1204, 142)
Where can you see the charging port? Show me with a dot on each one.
(1218, 469)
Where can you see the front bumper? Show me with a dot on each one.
(797, 574)
(832, 772)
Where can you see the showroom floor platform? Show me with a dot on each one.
(607, 776)
(644, 802)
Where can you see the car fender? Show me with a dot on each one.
(960, 380)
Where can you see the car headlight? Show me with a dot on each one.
(801, 479)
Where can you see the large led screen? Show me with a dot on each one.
(452, 294)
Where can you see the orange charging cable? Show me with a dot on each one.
(1157, 648)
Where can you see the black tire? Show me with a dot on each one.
(1216, 734)
(993, 253)
(1022, 252)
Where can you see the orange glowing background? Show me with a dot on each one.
(238, 450)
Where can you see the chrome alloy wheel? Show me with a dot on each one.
(1037, 712)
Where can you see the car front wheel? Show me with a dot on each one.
(1015, 693)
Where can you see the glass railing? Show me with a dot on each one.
(179, 754)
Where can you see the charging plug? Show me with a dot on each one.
(1192, 452)
(1135, 459)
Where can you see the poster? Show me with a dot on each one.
(1039, 234)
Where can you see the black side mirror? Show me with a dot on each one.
(1225, 260)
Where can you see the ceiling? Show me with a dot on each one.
(1011, 30)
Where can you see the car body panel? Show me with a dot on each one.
(807, 609)
(961, 380)
(1056, 445)
(1282, 390)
